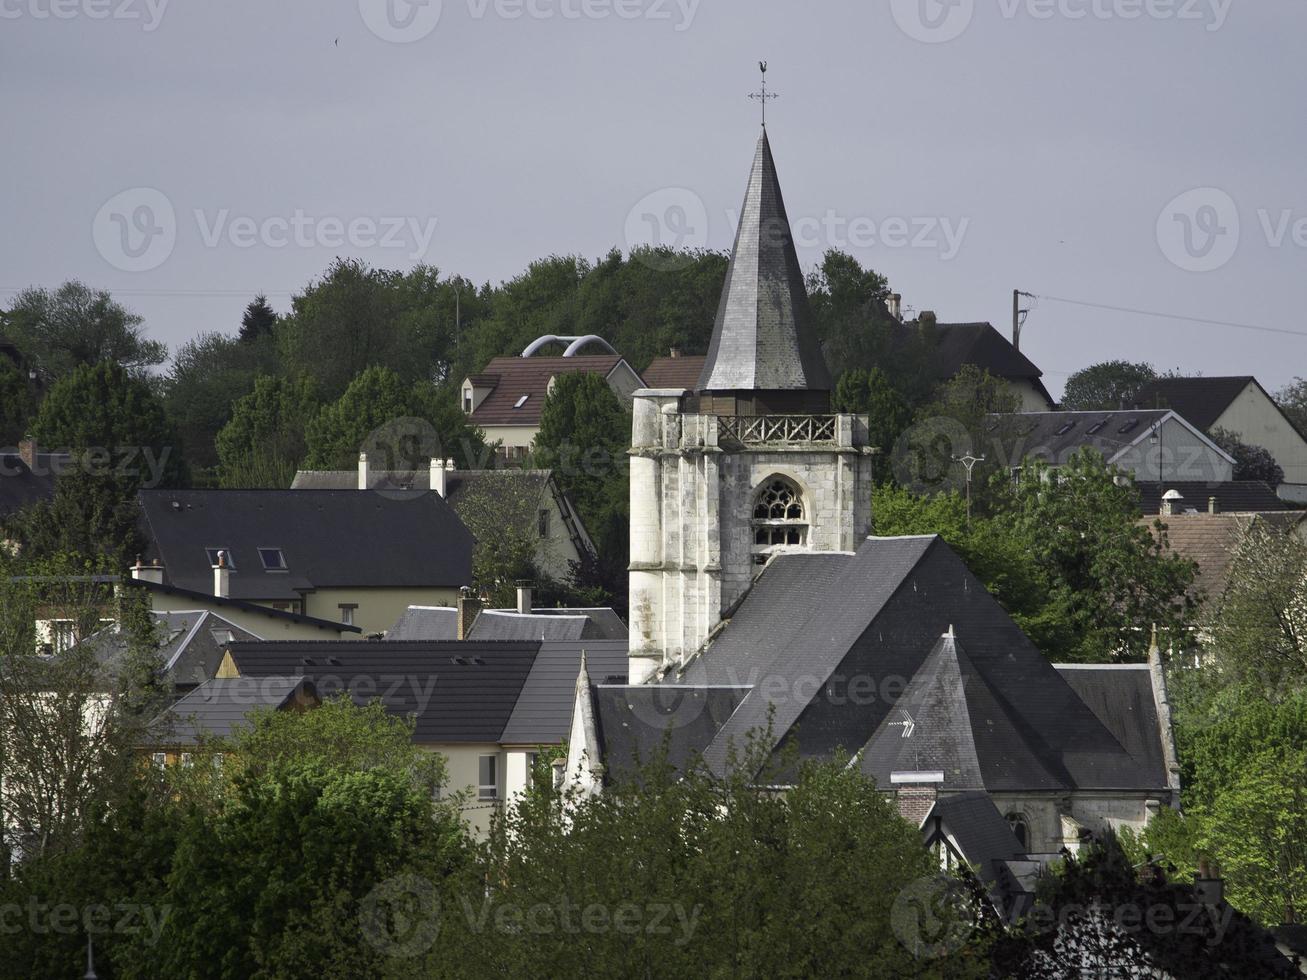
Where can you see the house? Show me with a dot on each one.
(489, 707)
(359, 559)
(1237, 497)
(469, 621)
(677, 370)
(221, 707)
(27, 476)
(529, 500)
(1152, 446)
(980, 345)
(505, 400)
(1242, 406)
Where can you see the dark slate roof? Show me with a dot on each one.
(425, 623)
(191, 644)
(219, 707)
(208, 598)
(504, 624)
(602, 622)
(1121, 697)
(1236, 497)
(981, 345)
(543, 713)
(1200, 400)
(763, 338)
(1056, 436)
(681, 371)
(634, 723)
(829, 662)
(515, 377)
(984, 837)
(20, 486)
(330, 539)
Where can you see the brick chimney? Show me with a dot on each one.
(27, 452)
(469, 605)
(222, 577)
(524, 597)
(152, 572)
(363, 471)
(1212, 506)
(915, 793)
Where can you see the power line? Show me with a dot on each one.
(178, 292)
(1177, 316)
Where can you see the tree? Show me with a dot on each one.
(1250, 462)
(258, 320)
(263, 444)
(501, 514)
(340, 429)
(870, 393)
(1292, 399)
(73, 326)
(1106, 387)
(17, 404)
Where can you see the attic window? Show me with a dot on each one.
(1129, 427)
(1066, 428)
(213, 557)
(222, 637)
(273, 560)
(1098, 427)
(521, 401)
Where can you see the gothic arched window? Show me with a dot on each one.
(778, 515)
(1020, 827)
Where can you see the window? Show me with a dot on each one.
(222, 637)
(186, 760)
(1129, 427)
(531, 759)
(1065, 429)
(347, 612)
(467, 401)
(521, 401)
(213, 557)
(273, 560)
(778, 517)
(542, 523)
(1098, 427)
(489, 778)
(160, 760)
(1020, 827)
(217, 762)
(63, 634)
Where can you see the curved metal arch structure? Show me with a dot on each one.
(574, 344)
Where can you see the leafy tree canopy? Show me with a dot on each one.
(1106, 387)
(1250, 462)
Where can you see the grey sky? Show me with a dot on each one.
(1049, 145)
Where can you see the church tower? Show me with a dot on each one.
(749, 464)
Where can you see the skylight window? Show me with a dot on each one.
(1098, 427)
(273, 560)
(1129, 427)
(1066, 428)
(213, 557)
(521, 401)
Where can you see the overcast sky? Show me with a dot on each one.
(185, 155)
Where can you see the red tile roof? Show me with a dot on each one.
(529, 376)
(674, 372)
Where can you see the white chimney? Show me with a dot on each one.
(222, 577)
(363, 471)
(524, 598)
(1172, 503)
(895, 304)
(147, 573)
(439, 483)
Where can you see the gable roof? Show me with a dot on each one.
(826, 668)
(634, 723)
(208, 598)
(1201, 400)
(983, 836)
(1056, 436)
(979, 344)
(1234, 497)
(543, 712)
(425, 623)
(681, 371)
(763, 338)
(515, 378)
(1121, 696)
(191, 644)
(505, 624)
(1211, 541)
(329, 539)
(21, 486)
(221, 706)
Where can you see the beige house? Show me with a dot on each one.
(357, 559)
(1242, 406)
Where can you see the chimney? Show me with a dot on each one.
(1172, 503)
(440, 470)
(524, 597)
(915, 793)
(152, 572)
(895, 305)
(27, 452)
(927, 319)
(222, 577)
(468, 607)
(363, 471)
(674, 353)
(1212, 506)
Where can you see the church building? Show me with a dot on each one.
(761, 608)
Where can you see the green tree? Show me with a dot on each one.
(1250, 462)
(263, 444)
(74, 326)
(1106, 387)
(258, 320)
(870, 393)
(502, 514)
(17, 404)
(1292, 399)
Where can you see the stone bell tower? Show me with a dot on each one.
(749, 464)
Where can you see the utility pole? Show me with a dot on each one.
(1018, 316)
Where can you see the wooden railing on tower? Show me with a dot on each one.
(772, 430)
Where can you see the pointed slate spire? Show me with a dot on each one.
(763, 339)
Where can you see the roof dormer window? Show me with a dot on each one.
(273, 559)
(521, 401)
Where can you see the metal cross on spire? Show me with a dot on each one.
(763, 96)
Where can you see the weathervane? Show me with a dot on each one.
(763, 96)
